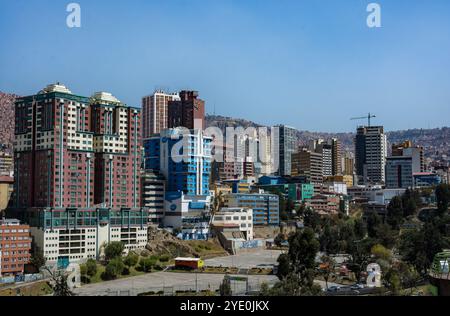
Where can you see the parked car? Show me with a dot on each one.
(334, 288)
(357, 286)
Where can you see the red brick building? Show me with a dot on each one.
(186, 112)
(15, 246)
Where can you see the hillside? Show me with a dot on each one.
(6, 121)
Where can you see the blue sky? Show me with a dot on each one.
(310, 64)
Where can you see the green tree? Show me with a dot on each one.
(114, 268)
(146, 264)
(373, 221)
(114, 250)
(91, 267)
(83, 269)
(311, 219)
(131, 259)
(443, 198)
(393, 281)
(283, 266)
(395, 212)
(303, 248)
(59, 284)
(360, 228)
(38, 260)
(380, 252)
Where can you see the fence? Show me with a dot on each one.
(238, 288)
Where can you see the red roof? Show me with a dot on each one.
(6, 179)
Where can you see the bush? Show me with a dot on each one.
(146, 264)
(164, 258)
(91, 266)
(83, 269)
(131, 259)
(114, 268)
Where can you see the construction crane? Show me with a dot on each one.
(368, 117)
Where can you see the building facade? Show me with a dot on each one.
(265, 207)
(15, 246)
(155, 112)
(370, 154)
(285, 140)
(74, 154)
(184, 159)
(153, 193)
(188, 111)
(399, 173)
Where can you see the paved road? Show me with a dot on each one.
(160, 280)
(246, 260)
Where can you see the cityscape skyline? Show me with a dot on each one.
(380, 66)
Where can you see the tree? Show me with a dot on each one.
(395, 213)
(385, 235)
(326, 269)
(146, 264)
(303, 248)
(59, 284)
(283, 266)
(38, 260)
(394, 283)
(360, 228)
(418, 247)
(311, 219)
(380, 252)
(91, 267)
(225, 287)
(443, 198)
(373, 221)
(114, 250)
(131, 259)
(83, 270)
(114, 268)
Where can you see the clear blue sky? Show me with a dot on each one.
(311, 64)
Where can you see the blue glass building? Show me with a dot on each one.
(183, 157)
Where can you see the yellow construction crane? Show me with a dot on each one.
(368, 117)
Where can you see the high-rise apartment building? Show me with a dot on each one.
(348, 164)
(336, 156)
(285, 139)
(370, 154)
(184, 159)
(188, 111)
(308, 163)
(77, 173)
(155, 112)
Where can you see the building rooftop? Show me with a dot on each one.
(9, 222)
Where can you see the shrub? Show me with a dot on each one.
(164, 258)
(114, 268)
(146, 264)
(91, 266)
(131, 259)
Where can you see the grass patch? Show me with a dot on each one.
(35, 289)
(206, 249)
